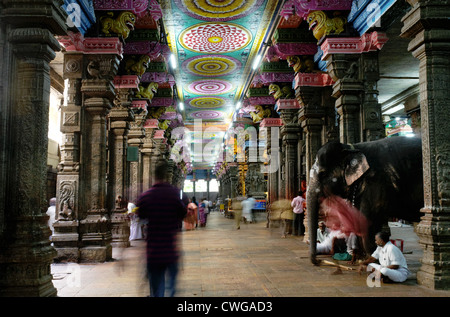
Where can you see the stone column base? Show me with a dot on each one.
(120, 230)
(96, 254)
(66, 241)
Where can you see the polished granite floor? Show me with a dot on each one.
(220, 261)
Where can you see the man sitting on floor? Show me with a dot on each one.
(392, 264)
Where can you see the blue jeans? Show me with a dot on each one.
(157, 278)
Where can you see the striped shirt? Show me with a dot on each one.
(162, 207)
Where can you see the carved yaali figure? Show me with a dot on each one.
(164, 124)
(147, 92)
(260, 113)
(288, 92)
(322, 25)
(137, 67)
(301, 64)
(280, 93)
(122, 25)
(155, 112)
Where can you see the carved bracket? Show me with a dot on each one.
(126, 81)
(158, 134)
(287, 104)
(313, 79)
(283, 50)
(271, 122)
(76, 42)
(353, 45)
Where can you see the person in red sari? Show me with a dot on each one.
(190, 221)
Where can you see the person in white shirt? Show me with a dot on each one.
(247, 206)
(326, 246)
(392, 264)
(299, 215)
(322, 232)
(135, 225)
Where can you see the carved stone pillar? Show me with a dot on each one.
(148, 157)
(427, 24)
(233, 173)
(272, 133)
(353, 65)
(289, 134)
(135, 139)
(120, 117)
(344, 69)
(27, 46)
(147, 149)
(66, 237)
(372, 127)
(316, 118)
(98, 91)
(155, 156)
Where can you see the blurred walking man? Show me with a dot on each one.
(164, 210)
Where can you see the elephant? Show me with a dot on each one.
(381, 179)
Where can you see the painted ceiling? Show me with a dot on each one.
(215, 43)
(201, 55)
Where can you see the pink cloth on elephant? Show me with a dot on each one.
(340, 214)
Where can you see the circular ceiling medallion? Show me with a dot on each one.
(211, 65)
(209, 87)
(218, 10)
(215, 38)
(207, 102)
(206, 114)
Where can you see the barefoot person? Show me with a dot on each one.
(392, 264)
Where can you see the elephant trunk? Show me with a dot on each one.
(312, 207)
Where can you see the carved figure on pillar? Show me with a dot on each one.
(278, 92)
(322, 25)
(303, 64)
(122, 25)
(147, 92)
(260, 113)
(137, 65)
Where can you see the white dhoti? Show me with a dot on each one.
(135, 228)
(323, 248)
(396, 275)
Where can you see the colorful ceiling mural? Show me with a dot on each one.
(197, 57)
(215, 43)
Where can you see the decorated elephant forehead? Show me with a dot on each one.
(215, 38)
(218, 10)
(211, 65)
(209, 86)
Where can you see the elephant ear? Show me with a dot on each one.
(356, 166)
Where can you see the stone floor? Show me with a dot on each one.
(220, 261)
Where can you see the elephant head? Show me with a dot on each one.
(380, 179)
(336, 168)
